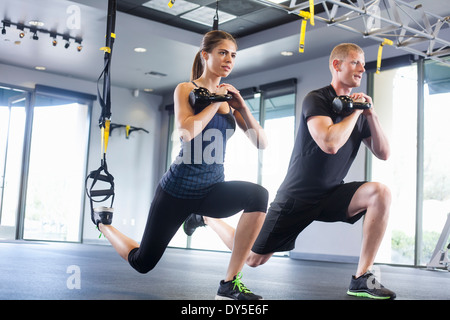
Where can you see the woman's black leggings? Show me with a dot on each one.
(167, 213)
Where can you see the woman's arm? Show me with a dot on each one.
(244, 118)
(188, 123)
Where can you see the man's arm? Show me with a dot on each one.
(329, 136)
(377, 142)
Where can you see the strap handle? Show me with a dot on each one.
(103, 194)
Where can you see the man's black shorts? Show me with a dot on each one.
(287, 217)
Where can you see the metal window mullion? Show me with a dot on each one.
(90, 105)
(420, 160)
(368, 153)
(29, 114)
(262, 119)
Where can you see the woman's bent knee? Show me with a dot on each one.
(138, 265)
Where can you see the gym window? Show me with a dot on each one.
(44, 140)
(412, 103)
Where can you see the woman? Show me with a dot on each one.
(194, 183)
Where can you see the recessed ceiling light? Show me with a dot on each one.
(40, 68)
(287, 53)
(148, 90)
(140, 49)
(36, 23)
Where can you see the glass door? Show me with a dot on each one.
(57, 167)
(12, 133)
(279, 126)
(436, 169)
(395, 101)
(418, 174)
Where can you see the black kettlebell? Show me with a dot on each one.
(344, 105)
(200, 98)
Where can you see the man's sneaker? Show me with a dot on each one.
(193, 222)
(102, 215)
(235, 290)
(367, 286)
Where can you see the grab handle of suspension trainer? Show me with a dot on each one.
(99, 193)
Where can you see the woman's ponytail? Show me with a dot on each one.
(197, 66)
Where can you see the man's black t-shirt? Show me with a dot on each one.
(313, 173)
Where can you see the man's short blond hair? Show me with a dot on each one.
(341, 51)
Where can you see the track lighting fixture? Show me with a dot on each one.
(54, 41)
(22, 28)
(79, 47)
(34, 28)
(5, 24)
(67, 44)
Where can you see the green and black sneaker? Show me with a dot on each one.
(235, 290)
(368, 287)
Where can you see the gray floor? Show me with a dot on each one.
(42, 271)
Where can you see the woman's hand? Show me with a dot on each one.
(237, 102)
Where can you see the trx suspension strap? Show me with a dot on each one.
(102, 174)
(380, 51)
(305, 15)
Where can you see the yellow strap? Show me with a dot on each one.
(311, 10)
(127, 130)
(105, 134)
(171, 3)
(305, 14)
(380, 51)
(301, 45)
(106, 49)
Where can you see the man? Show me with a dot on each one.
(325, 147)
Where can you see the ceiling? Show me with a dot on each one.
(171, 41)
(247, 17)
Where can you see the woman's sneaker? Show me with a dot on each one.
(102, 215)
(193, 222)
(235, 290)
(368, 287)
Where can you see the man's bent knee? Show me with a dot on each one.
(255, 259)
(381, 193)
